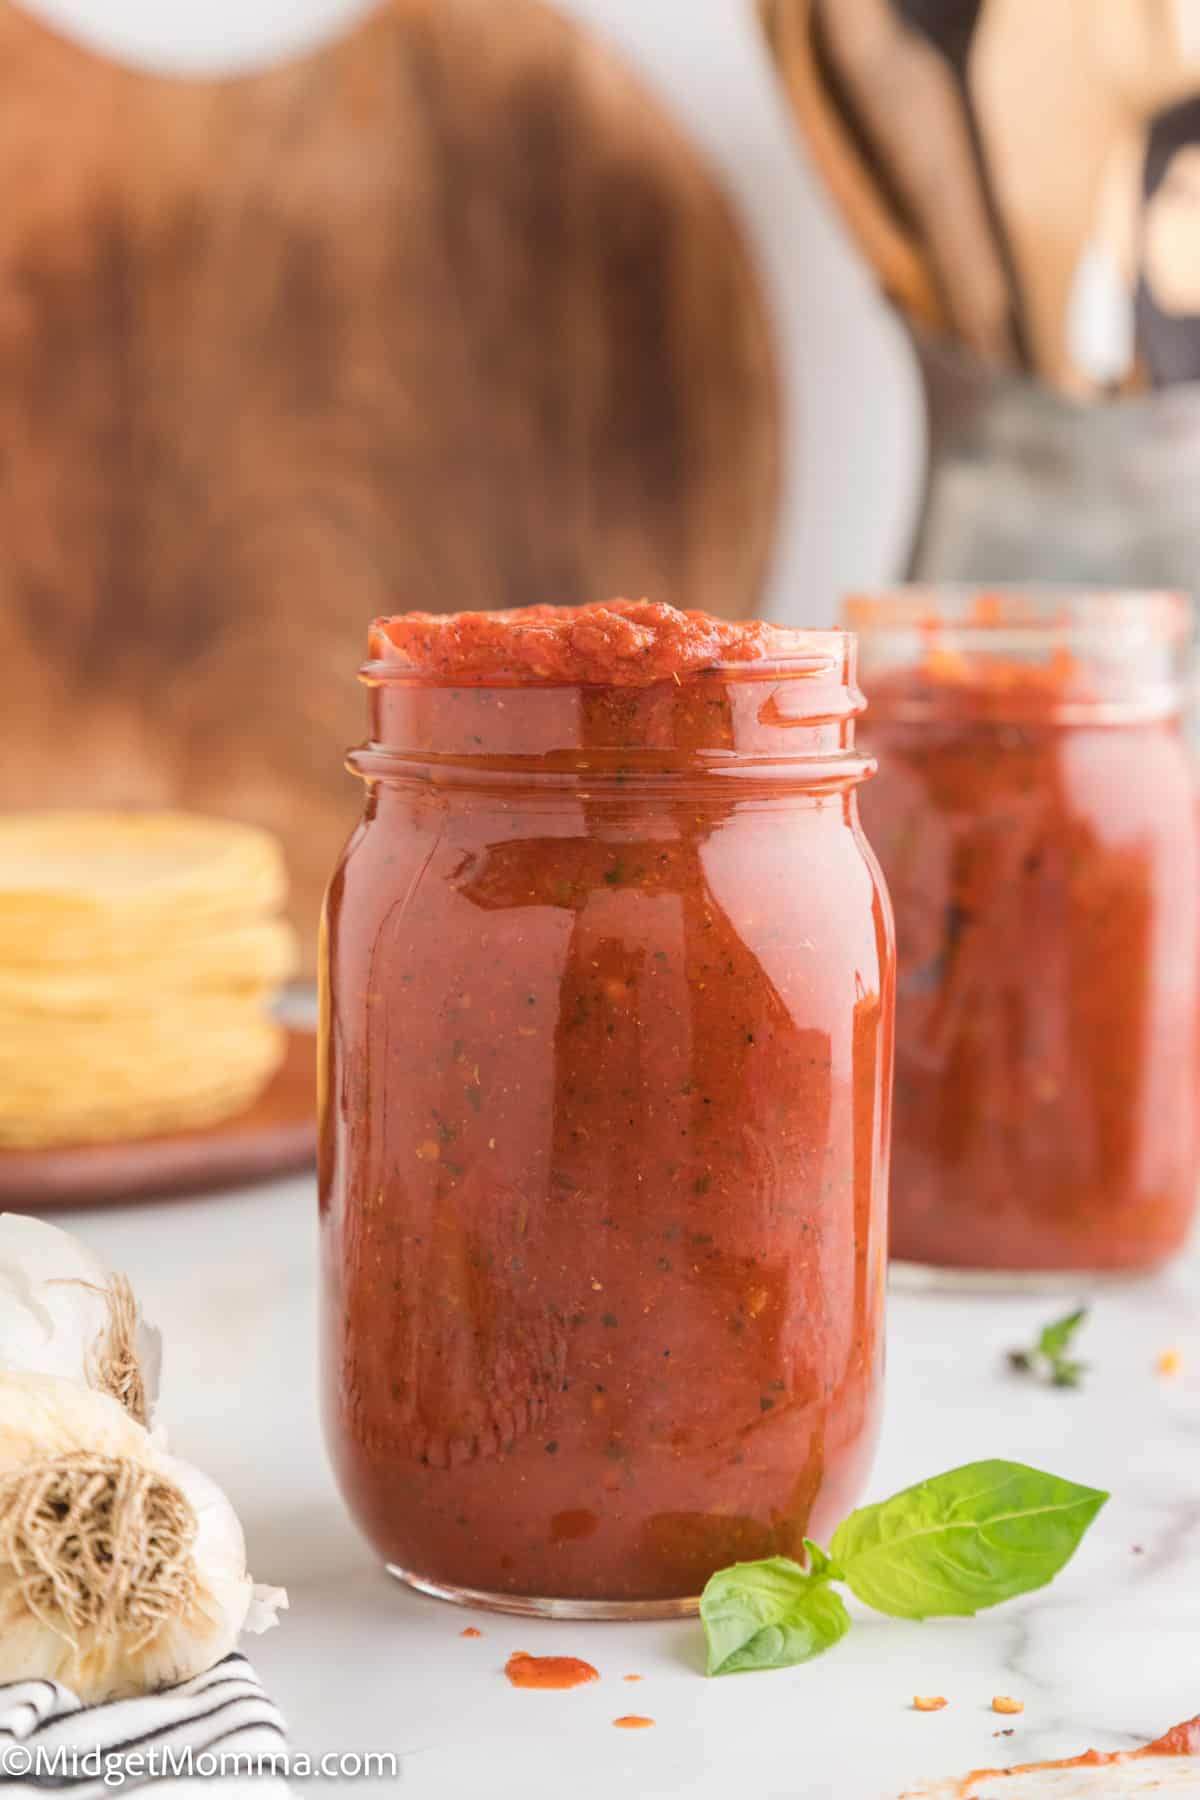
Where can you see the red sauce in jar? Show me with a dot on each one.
(614, 643)
(1040, 847)
(606, 1063)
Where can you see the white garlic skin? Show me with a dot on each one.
(210, 1628)
(48, 1415)
(53, 1311)
(42, 1417)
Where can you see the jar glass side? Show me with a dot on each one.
(1035, 817)
(607, 1063)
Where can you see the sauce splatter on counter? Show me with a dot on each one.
(633, 1722)
(1147, 1770)
(552, 1672)
(471, 1631)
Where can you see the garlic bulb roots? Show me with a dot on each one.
(62, 1313)
(122, 1569)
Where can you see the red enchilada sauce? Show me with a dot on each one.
(607, 1000)
(554, 1672)
(1035, 821)
(1181, 1740)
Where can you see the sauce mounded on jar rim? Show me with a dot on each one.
(607, 999)
(1035, 816)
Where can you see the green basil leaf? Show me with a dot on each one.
(1048, 1357)
(820, 1565)
(1055, 1339)
(768, 1615)
(964, 1540)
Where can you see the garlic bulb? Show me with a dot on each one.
(61, 1313)
(122, 1569)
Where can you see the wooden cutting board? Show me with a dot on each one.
(276, 1137)
(446, 314)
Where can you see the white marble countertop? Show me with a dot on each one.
(1108, 1656)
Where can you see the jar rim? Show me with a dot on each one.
(1021, 613)
(1058, 653)
(392, 672)
(798, 706)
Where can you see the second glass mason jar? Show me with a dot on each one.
(607, 1003)
(1036, 820)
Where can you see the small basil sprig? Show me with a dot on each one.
(948, 1546)
(1048, 1356)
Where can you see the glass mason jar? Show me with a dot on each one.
(606, 1064)
(1036, 821)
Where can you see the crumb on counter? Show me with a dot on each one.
(1168, 1362)
(1004, 1703)
(470, 1631)
(929, 1702)
(633, 1722)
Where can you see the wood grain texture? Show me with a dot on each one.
(879, 95)
(903, 271)
(445, 315)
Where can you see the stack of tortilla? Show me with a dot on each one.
(139, 957)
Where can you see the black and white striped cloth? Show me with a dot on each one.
(218, 1734)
